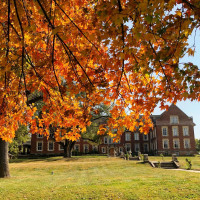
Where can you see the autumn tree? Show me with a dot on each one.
(115, 51)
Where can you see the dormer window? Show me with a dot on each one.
(174, 119)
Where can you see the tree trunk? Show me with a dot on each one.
(67, 153)
(4, 160)
(68, 148)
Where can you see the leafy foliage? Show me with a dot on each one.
(21, 136)
(197, 142)
(80, 53)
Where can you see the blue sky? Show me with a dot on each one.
(191, 108)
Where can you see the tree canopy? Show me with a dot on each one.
(81, 53)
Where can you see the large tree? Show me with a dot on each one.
(116, 51)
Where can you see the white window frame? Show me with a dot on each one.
(186, 127)
(78, 145)
(103, 149)
(184, 141)
(173, 133)
(163, 141)
(105, 140)
(37, 145)
(164, 127)
(174, 119)
(86, 145)
(136, 136)
(110, 140)
(174, 140)
(61, 148)
(127, 136)
(48, 146)
(39, 136)
(146, 137)
(137, 145)
(120, 149)
(128, 145)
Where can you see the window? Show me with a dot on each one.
(176, 144)
(175, 130)
(128, 147)
(94, 147)
(39, 136)
(136, 136)
(78, 140)
(145, 137)
(39, 146)
(164, 130)
(61, 148)
(103, 149)
(165, 144)
(137, 147)
(110, 141)
(127, 137)
(173, 119)
(185, 131)
(77, 147)
(105, 140)
(120, 149)
(86, 148)
(50, 146)
(146, 148)
(186, 143)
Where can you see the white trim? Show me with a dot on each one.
(39, 136)
(185, 143)
(103, 149)
(37, 145)
(178, 143)
(127, 136)
(60, 148)
(77, 145)
(164, 143)
(105, 139)
(187, 127)
(136, 136)
(175, 134)
(174, 119)
(48, 146)
(128, 145)
(137, 145)
(145, 137)
(164, 127)
(86, 145)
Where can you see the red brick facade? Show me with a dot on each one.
(173, 133)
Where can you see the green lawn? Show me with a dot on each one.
(91, 177)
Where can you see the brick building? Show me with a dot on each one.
(173, 132)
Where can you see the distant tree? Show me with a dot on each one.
(21, 136)
(197, 141)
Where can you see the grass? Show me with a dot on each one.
(92, 177)
(195, 161)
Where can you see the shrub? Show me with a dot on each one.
(188, 163)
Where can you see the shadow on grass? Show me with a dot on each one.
(52, 159)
